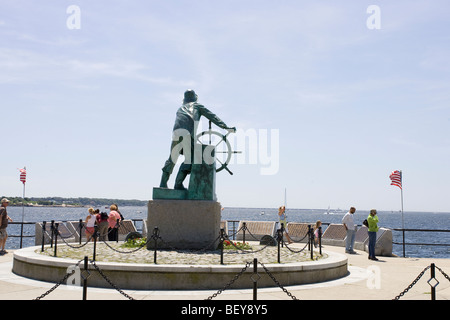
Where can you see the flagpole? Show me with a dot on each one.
(397, 180)
(403, 220)
(23, 212)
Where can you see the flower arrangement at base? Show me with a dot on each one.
(134, 243)
(227, 244)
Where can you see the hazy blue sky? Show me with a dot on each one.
(88, 100)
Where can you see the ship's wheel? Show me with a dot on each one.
(223, 150)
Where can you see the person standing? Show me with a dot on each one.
(4, 218)
(89, 224)
(113, 221)
(283, 222)
(372, 220)
(118, 211)
(102, 222)
(316, 232)
(349, 225)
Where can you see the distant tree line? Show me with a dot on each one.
(82, 201)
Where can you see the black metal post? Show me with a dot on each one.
(85, 278)
(52, 227)
(21, 234)
(309, 237)
(95, 241)
(433, 288)
(244, 226)
(80, 226)
(282, 235)
(311, 241)
(320, 240)
(222, 239)
(280, 240)
(117, 230)
(155, 236)
(255, 279)
(43, 235)
(56, 236)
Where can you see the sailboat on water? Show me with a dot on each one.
(336, 211)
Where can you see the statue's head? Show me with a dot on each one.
(190, 96)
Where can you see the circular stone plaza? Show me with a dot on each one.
(362, 279)
(135, 269)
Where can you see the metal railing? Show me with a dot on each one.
(404, 244)
(234, 228)
(21, 235)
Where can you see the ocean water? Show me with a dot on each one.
(412, 220)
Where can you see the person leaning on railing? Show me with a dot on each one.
(372, 220)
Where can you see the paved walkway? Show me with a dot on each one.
(367, 280)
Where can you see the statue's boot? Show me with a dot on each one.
(179, 180)
(164, 178)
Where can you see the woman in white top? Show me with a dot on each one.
(90, 223)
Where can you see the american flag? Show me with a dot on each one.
(23, 175)
(396, 178)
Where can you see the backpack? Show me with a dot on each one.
(366, 223)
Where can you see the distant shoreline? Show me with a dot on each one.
(52, 205)
(80, 202)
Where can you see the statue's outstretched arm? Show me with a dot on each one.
(212, 117)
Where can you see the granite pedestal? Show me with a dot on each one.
(184, 224)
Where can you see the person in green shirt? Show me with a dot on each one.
(372, 220)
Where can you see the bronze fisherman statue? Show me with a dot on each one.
(185, 127)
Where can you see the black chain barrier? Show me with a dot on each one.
(155, 237)
(278, 283)
(433, 282)
(63, 280)
(432, 268)
(84, 277)
(255, 277)
(110, 282)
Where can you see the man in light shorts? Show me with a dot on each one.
(3, 224)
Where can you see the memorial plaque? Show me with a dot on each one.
(64, 232)
(361, 234)
(299, 231)
(256, 230)
(335, 232)
(126, 226)
(185, 224)
(74, 227)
